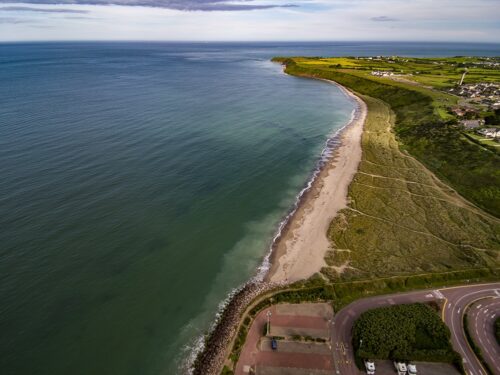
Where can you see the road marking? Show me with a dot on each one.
(448, 315)
(342, 348)
(463, 329)
(443, 309)
(478, 306)
(430, 295)
(438, 294)
(458, 310)
(469, 286)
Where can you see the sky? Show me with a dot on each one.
(251, 20)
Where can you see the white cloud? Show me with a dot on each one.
(446, 20)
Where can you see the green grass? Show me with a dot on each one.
(481, 139)
(402, 219)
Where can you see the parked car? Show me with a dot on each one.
(274, 344)
(401, 368)
(370, 367)
(412, 369)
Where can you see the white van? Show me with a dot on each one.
(370, 367)
(401, 368)
(412, 369)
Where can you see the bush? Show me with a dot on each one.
(402, 332)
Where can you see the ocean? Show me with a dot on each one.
(143, 182)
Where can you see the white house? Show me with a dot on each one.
(490, 132)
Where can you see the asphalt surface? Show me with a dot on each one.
(481, 321)
(455, 301)
(314, 357)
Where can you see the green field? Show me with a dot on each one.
(482, 140)
(402, 219)
(435, 72)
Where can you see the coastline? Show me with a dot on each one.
(299, 249)
(287, 261)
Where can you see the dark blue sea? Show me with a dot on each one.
(142, 182)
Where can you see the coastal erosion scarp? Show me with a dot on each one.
(299, 248)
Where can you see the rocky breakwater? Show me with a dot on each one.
(210, 359)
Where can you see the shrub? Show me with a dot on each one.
(402, 332)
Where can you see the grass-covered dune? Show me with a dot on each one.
(401, 218)
(422, 128)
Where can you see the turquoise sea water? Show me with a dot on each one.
(141, 183)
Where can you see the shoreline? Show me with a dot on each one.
(212, 353)
(299, 248)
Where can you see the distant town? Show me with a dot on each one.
(479, 110)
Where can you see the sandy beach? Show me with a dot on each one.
(300, 250)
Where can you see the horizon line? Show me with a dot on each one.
(235, 41)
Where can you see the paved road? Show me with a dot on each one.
(481, 318)
(458, 299)
(455, 299)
